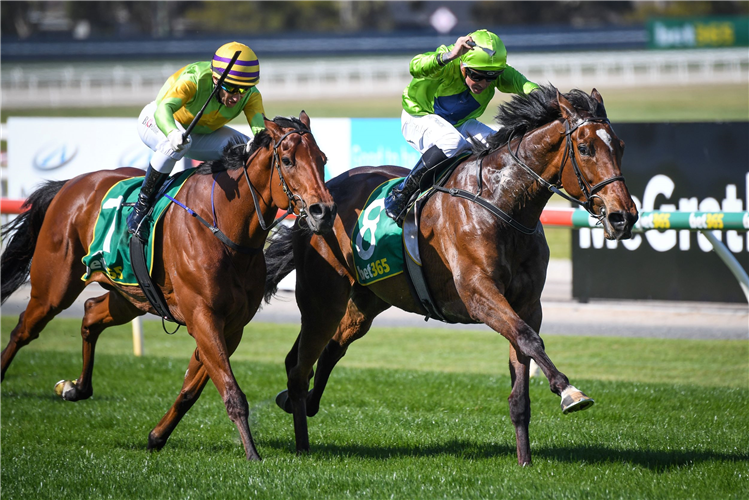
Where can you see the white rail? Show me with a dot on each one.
(95, 84)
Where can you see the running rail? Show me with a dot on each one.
(704, 222)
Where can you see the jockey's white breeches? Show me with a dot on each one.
(423, 132)
(202, 147)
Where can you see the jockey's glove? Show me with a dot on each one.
(176, 140)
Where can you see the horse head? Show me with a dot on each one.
(299, 166)
(593, 155)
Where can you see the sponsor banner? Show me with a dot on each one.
(708, 32)
(42, 149)
(696, 168)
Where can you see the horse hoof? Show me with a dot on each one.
(65, 389)
(284, 402)
(573, 400)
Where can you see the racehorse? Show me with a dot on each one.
(212, 287)
(480, 268)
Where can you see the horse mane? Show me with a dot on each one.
(524, 113)
(235, 154)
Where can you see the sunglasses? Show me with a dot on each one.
(234, 89)
(478, 76)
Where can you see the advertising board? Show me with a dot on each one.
(42, 149)
(671, 167)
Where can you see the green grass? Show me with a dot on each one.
(669, 422)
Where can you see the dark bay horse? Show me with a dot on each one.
(480, 268)
(213, 289)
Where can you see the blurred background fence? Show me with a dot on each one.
(131, 83)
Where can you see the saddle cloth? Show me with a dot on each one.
(376, 240)
(109, 251)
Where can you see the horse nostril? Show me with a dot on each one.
(316, 210)
(320, 211)
(618, 220)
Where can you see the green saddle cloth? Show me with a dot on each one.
(109, 251)
(376, 240)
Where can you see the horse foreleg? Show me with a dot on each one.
(361, 310)
(214, 350)
(196, 378)
(101, 312)
(520, 404)
(488, 305)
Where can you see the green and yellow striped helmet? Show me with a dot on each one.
(479, 59)
(246, 70)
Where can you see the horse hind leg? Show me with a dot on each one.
(45, 303)
(196, 377)
(101, 312)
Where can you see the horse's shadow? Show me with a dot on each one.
(656, 460)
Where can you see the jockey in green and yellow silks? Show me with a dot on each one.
(163, 122)
(451, 88)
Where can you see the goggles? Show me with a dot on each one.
(234, 89)
(478, 76)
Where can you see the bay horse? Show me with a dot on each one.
(213, 288)
(479, 267)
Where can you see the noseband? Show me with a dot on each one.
(589, 192)
(294, 199)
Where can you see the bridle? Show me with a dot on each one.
(294, 199)
(589, 192)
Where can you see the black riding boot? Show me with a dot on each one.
(151, 184)
(397, 201)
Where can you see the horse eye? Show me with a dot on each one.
(585, 150)
(286, 161)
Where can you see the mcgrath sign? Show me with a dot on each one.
(686, 167)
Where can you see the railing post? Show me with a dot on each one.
(137, 336)
(728, 258)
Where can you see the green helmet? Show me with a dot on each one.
(479, 59)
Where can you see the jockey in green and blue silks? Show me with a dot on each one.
(163, 121)
(451, 88)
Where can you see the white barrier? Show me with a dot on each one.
(95, 84)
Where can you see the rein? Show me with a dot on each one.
(293, 200)
(588, 191)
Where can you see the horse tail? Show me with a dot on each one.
(23, 232)
(279, 259)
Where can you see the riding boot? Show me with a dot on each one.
(398, 200)
(151, 184)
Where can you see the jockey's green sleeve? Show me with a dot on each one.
(185, 92)
(442, 90)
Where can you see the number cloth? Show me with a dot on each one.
(377, 241)
(109, 251)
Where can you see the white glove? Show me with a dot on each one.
(176, 141)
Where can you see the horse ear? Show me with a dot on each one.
(568, 111)
(304, 117)
(600, 109)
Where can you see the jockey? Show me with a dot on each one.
(451, 88)
(162, 122)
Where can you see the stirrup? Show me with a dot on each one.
(135, 227)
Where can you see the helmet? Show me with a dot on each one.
(246, 69)
(479, 59)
